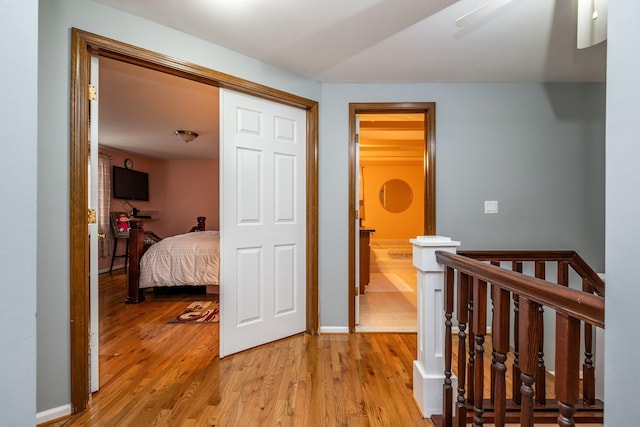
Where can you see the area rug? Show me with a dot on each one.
(199, 312)
(387, 282)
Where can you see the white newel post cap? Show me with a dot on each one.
(424, 258)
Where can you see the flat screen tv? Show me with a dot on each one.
(130, 185)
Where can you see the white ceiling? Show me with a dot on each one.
(392, 40)
(346, 41)
(139, 110)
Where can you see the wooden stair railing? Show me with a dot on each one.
(479, 278)
(591, 283)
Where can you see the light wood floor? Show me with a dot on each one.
(159, 374)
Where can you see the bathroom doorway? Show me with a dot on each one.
(393, 205)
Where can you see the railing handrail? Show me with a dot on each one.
(519, 255)
(572, 302)
(579, 265)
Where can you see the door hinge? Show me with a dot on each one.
(357, 290)
(92, 216)
(93, 93)
(357, 214)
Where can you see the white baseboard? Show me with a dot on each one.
(53, 414)
(388, 329)
(345, 330)
(334, 329)
(580, 374)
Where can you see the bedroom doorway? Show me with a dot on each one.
(387, 117)
(144, 169)
(83, 46)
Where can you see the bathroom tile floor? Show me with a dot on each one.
(390, 311)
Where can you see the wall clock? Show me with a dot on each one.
(128, 163)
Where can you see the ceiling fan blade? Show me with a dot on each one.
(592, 22)
(480, 11)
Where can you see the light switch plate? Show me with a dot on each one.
(491, 206)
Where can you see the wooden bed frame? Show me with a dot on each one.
(139, 241)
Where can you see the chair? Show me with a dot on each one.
(117, 235)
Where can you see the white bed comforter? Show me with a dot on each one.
(189, 259)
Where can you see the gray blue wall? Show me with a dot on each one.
(622, 343)
(18, 171)
(538, 149)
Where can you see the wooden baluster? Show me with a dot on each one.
(515, 369)
(541, 372)
(493, 350)
(563, 279)
(463, 318)
(529, 336)
(500, 336)
(567, 367)
(480, 330)
(472, 352)
(563, 273)
(588, 370)
(447, 388)
(136, 245)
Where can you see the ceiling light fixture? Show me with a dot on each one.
(186, 135)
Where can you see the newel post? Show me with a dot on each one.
(428, 370)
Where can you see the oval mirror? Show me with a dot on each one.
(396, 195)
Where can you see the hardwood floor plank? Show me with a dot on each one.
(159, 374)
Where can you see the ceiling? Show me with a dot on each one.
(338, 41)
(392, 40)
(141, 108)
(392, 138)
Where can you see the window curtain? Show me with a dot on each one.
(105, 246)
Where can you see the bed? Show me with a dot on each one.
(189, 259)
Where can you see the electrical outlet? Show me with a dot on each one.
(491, 206)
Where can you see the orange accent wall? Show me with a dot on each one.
(389, 225)
(179, 191)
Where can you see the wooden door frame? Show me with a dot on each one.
(429, 110)
(83, 46)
